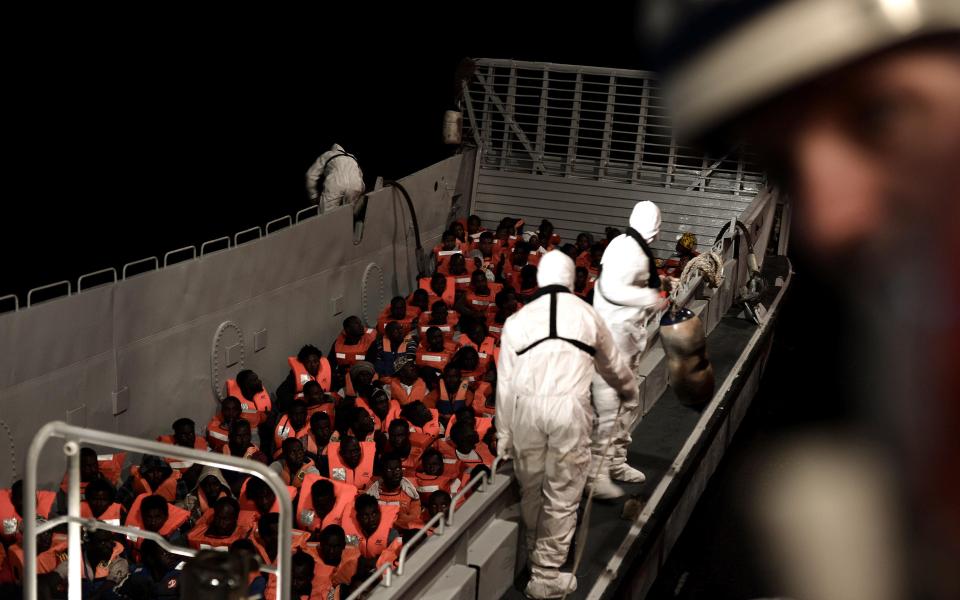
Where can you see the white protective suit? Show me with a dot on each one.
(544, 416)
(624, 301)
(343, 183)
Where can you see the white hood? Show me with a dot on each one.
(645, 218)
(556, 268)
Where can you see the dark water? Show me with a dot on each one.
(129, 135)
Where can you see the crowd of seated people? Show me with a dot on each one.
(372, 439)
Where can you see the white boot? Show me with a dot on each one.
(604, 488)
(624, 472)
(549, 583)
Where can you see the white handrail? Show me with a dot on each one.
(437, 520)
(386, 569)
(76, 435)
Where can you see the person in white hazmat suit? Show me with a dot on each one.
(549, 352)
(626, 294)
(342, 179)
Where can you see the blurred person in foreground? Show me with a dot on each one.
(854, 106)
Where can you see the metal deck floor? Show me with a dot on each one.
(657, 440)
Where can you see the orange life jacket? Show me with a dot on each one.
(431, 429)
(484, 303)
(449, 292)
(428, 484)
(301, 376)
(328, 407)
(447, 327)
(325, 576)
(254, 410)
(167, 489)
(111, 515)
(405, 497)
(487, 351)
(481, 393)
(200, 540)
(362, 476)
(439, 398)
(296, 479)
(248, 504)
(248, 453)
(344, 493)
(436, 360)
(418, 391)
(412, 462)
(47, 561)
(103, 569)
(176, 517)
(483, 425)
(481, 455)
(349, 354)
(406, 323)
(393, 412)
(375, 545)
(310, 445)
(111, 468)
(178, 464)
(11, 523)
(440, 255)
(206, 505)
(217, 434)
(283, 430)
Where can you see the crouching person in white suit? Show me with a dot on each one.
(626, 294)
(549, 353)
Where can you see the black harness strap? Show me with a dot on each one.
(654, 280)
(553, 291)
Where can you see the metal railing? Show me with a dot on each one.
(74, 436)
(575, 121)
(207, 247)
(440, 520)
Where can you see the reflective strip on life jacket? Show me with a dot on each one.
(349, 354)
(301, 376)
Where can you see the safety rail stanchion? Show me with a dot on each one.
(386, 570)
(156, 264)
(16, 301)
(315, 209)
(192, 249)
(76, 435)
(203, 246)
(480, 483)
(408, 545)
(46, 287)
(286, 218)
(110, 270)
(236, 236)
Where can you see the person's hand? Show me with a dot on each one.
(62, 569)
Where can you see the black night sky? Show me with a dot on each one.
(128, 135)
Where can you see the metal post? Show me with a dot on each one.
(607, 128)
(641, 131)
(76, 435)
(574, 124)
(542, 116)
(75, 564)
